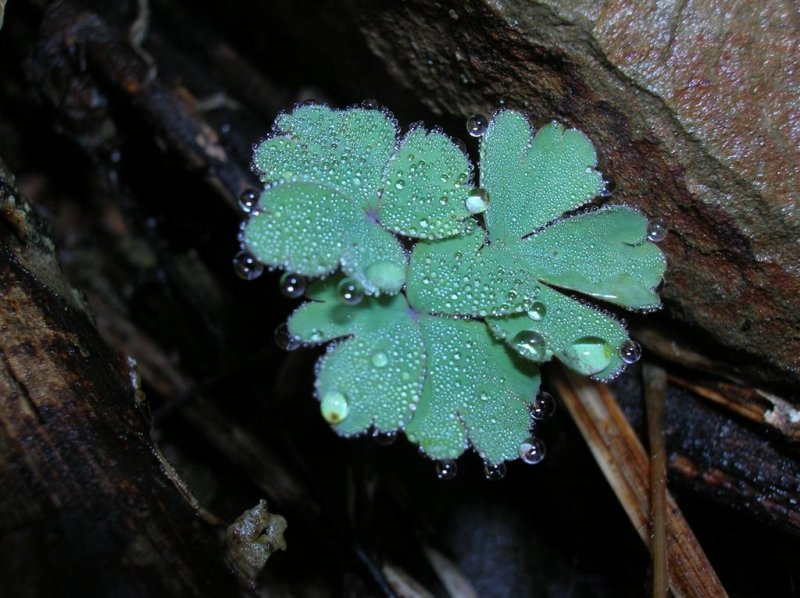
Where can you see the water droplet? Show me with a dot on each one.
(293, 285)
(588, 355)
(630, 351)
(379, 359)
(446, 470)
(284, 338)
(384, 438)
(532, 451)
(246, 266)
(477, 201)
(370, 104)
(531, 345)
(248, 200)
(334, 407)
(494, 471)
(350, 291)
(544, 406)
(657, 229)
(399, 184)
(476, 125)
(537, 311)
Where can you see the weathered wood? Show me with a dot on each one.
(87, 503)
(624, 463)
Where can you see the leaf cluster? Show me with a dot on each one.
(442, 296)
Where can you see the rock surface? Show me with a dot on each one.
(694, 109)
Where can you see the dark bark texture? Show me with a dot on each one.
(87, 503)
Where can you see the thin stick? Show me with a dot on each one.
(624, 463)
(655, 394)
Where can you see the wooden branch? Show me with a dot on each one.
(86, 504)
(656, 398)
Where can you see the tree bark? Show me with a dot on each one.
(88, 506)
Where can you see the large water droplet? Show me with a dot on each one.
(494, 471)
(334, 407)
(476, 125)
(532, 451)
(477, 201)
(293, 285)
(350, 291)
(284, 338)
(248, 200)
(657, 229)
(588, 355)
(531, 345)
(544, 406)
(537, 311)
(446, 470)
(630, 351)
(379, 359)
(370, 104)
(386, 276)
(246, 266)
(384, 438)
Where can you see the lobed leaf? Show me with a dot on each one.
(344, 149)
(447, 383)
(604, 254)
(582, 337)
(426, 187)
(336, 184)
(533, 179)
(463, 276)
(476, 392)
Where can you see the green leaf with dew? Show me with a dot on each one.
(448, 383)
(338, 183)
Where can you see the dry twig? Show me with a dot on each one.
(620, 455)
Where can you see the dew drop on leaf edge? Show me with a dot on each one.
(293, 285)
(588, 355)
(476, 125)
(284, 338)
(334, 407)
(657, 229)
(246, 266)
(630, 351)
(248, 200)
(543, 407)
(532, 451)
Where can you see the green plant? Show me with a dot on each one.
(442, 341)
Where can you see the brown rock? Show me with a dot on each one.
(693, 108)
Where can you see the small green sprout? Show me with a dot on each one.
(445, 345)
